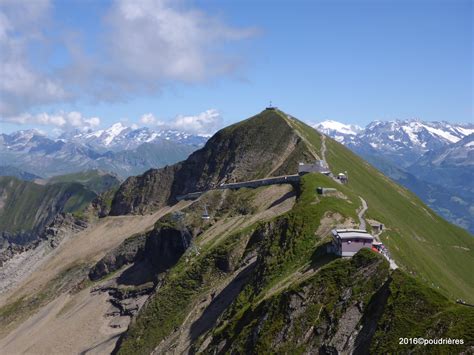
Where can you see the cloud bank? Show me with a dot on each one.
(62, 120)
(22, 85)
(146, 45)
(205, 123)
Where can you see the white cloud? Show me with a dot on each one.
(62, 120)
(148, 119)
(22, 86)
(156, 40)
(205, 123)
(146, 45)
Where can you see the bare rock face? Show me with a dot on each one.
(323, 315)
(62, 223)
(157, 251)
(52, 235)
(164, 246)
(126, 253)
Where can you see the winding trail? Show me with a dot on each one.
(361, 214)
(323, 148)
(323, 156)
(386, 254)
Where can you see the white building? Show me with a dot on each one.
(347, 242)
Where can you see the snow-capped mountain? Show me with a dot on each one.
(119, 137)
(433, 159)
(403, 141)
(119, 149)
(343, 133)
(457, 154)
(414, 134)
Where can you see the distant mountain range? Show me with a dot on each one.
(433, 159)
(122, 150)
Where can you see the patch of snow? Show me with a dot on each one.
(338, 127)
(410, 131)
(443, 134)
(465, 131)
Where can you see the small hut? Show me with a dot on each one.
(342, 178)
(347, 242)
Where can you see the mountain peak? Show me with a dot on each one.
(270, 143)
(335, 126)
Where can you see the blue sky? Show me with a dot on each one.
(216, 62)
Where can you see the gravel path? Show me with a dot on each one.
(361, 214)
(323, 148)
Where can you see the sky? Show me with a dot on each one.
(200, 65)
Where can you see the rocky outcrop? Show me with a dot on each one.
(129, 251)
(158, 249)
(321, 315)
(63, 223)
(164, 246)
(51, 235)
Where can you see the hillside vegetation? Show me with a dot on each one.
(290, 295)
(292, 290)
(27, 207)
(95, 180)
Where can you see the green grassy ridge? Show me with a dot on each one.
(414, 310)
(308, 133)
(94, 180)
(186, 281)
(321, 309)
(411, 310)
(28, 206)
(287, 243)
(182, 286)
(264, 134)
(292, 240)
(421, 241)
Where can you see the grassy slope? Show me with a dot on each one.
(187, 281)
(27, 203)
(418, 238)
(414, 310)
(94, 180)
(421, 241)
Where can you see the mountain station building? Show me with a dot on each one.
(318, 166)
(347, 242)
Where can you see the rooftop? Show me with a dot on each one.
(351, 234)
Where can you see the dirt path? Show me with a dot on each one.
(309, 145)
(323, 148)
(361, 213)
